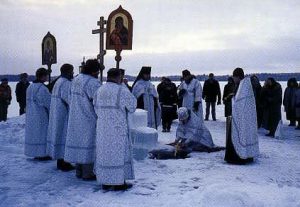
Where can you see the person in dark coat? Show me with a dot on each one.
(257, 90)
(228, 93)
(5, 99)
(167, 93)
(21, 88)
(297, 106)
(288, 101)
(271, 96)
(211, 90)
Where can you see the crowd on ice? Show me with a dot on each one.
(84, 122)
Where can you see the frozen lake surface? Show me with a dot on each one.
(203, 180)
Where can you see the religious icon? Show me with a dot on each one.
(49, 50)
(119, 30)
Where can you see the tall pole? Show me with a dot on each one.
(49, 73)
(118, 57)
(102, 52)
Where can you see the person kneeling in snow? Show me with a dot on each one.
(193, 132)
(191, 135)
(37, 117)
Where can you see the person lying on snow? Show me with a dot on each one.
(191, 135)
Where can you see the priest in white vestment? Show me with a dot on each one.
(38, 100)
(242, 139)
(114, 164)
(81, 131)
(190, 90)
(147, 97)
(58, 118)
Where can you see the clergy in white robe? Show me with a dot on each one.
(81, 131)
(190, 91)
(58, 118)
(191, 128)
(38, 100)
(114, 164)
(147, 97)
(242, 140)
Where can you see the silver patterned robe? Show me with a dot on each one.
(38, 100)
(148, 91)
(194, 130)
(244, 123)
(81, 132)
(113, 146)
(193, 94)
(58, 118)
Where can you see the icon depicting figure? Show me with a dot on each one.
(48, 53)
(119, 36)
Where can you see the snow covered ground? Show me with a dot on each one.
(202, 180)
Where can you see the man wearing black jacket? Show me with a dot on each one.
(21, 88)
(211, 90)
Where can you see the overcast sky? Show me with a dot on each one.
(169, 35)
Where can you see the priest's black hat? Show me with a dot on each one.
(185, 73)
(145, 70)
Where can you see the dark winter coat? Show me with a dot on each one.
(229, 89)
(167, 92)
(211, 90)
(21, 92)
(289, 103)
(5, 94)
(257, 94)
(297, 103)
(271, 98)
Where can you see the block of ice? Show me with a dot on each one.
(138, 119)
(144, 139)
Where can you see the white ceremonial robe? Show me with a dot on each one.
(194, 130)
(193, 94)
(114, 162)
(58, 118)
(244, 123)
(81, 132)
(38, 100)
(148, 91)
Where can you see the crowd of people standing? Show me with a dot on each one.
(80, 121)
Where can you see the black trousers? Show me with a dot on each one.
(168, 115)
(3, 111)
(22, 108)
(213, 110)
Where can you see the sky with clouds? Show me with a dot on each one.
(169, 35)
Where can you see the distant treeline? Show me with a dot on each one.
(261, 76)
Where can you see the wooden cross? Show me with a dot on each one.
(102, 52)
